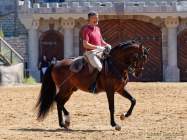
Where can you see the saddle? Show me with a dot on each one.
(78, 63)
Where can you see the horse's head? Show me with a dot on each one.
(130, 56)
(138, 60)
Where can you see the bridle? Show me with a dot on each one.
(139, 57)
(134, 64)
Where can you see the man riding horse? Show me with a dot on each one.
(93, 43)
(60, 82)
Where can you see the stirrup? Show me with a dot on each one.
(92, 88)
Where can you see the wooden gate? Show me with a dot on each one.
(182, 55)
(117, 30)
(52, 45)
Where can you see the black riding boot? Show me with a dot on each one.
(93, 86)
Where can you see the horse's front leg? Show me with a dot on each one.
(127, 95)
(110, 97)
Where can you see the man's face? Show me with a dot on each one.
(44, 58)
(94, 20)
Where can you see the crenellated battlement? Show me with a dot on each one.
(104, 6)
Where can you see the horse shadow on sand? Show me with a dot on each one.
(59, 130)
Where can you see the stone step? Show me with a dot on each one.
(19, 44)
(12, 26)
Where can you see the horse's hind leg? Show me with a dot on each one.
(59, 110)
(66, 117)
(127, 95)
(61, 100)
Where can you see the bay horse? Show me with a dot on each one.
(59, 82)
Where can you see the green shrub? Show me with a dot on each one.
(1, 32)
(29, 80)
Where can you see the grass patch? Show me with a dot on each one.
(29, 80)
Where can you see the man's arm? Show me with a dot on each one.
(102, 40)
(104, 43)
(90, 46)
(87, 45)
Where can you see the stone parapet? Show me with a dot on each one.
(104, 6)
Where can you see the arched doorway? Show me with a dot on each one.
(118, 30)
(182, 55)
(52, 45)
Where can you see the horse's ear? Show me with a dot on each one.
(148, 49)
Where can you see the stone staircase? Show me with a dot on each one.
(3, 60)
(8, 53)
(11, 25)
(11, 64)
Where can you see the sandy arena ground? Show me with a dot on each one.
(160, 114)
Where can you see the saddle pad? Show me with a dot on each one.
(77, 64)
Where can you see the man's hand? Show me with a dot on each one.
(109, 46)
(107, 49)
(100, 48)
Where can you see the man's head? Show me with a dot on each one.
(93, 18)
(44, 58)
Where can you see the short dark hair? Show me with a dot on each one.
(92, 14)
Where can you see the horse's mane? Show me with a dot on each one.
(125, 44)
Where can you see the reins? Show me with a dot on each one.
(65, 80)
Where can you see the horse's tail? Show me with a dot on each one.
(47, 95)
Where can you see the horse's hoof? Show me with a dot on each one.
(122, 117)
(67, 124)
(61, 125)
(66, 129)
(117, 127)
(66, 121)
(127, 114)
